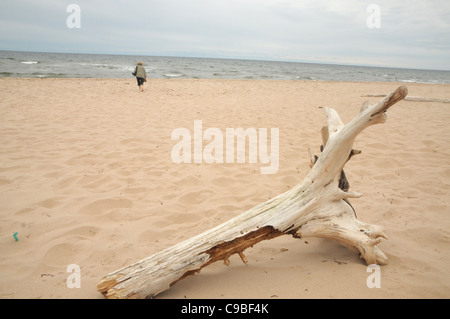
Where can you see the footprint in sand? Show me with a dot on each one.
(195, 198)
(70, 250)
(102, 206)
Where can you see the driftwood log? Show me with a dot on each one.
(317, 207)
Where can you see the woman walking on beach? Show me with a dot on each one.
(141, 75)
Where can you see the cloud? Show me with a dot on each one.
(412, 33)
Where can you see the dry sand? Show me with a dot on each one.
(87, 178)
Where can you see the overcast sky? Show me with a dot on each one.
(413, 34)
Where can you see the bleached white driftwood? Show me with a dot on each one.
(317, 207)
(414, 98)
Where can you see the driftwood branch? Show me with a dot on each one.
(413, 98)
(317, 207)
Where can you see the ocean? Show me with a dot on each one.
(68, 65)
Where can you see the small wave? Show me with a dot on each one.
(308, 78)
(101, 65)
(173, 75)
(408, 81)
(29, 62)
(105, 66)
(48, 75)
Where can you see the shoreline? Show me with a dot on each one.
(404, 83)
(87, 178)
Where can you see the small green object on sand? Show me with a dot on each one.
(15, 236)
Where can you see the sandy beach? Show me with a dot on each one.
(87, 178)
